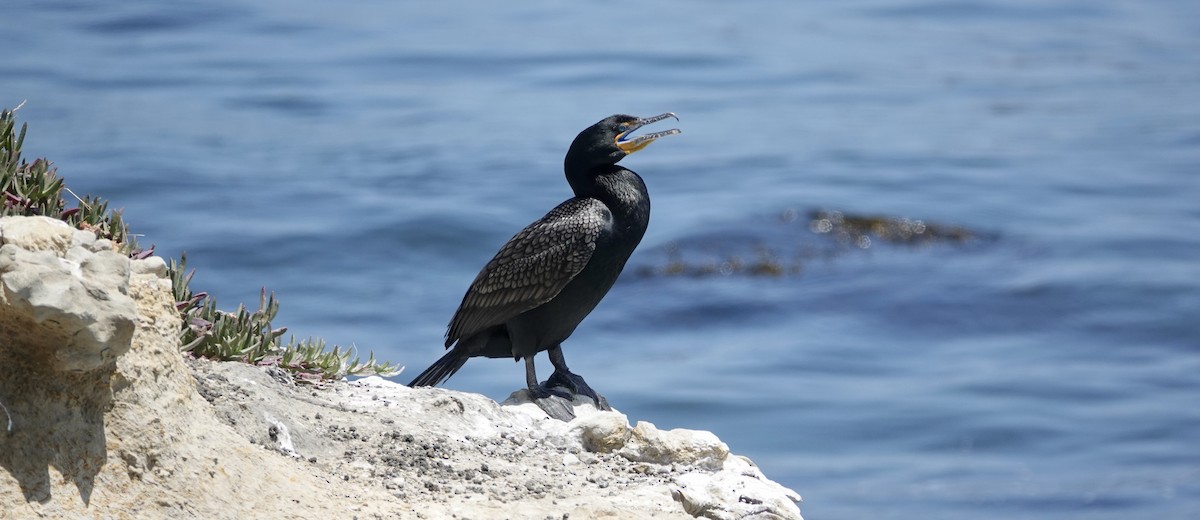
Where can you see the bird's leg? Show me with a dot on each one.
(563, 377)
(555, 403)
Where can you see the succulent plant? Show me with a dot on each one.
(248, 336)
(34, 188)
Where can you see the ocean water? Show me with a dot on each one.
(364, 160)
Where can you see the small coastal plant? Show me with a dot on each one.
(35, 189)
(246, 335)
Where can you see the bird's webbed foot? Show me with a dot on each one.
(576, 385)
(555, 402)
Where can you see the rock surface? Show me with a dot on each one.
(151, 434)
(69, 301)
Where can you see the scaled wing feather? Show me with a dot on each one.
(532, 267)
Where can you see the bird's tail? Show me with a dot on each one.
(441, 369)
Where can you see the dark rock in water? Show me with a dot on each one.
(778, 250)
(860, 230)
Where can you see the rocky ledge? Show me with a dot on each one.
(109, 420)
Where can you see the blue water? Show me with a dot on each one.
(363, 160)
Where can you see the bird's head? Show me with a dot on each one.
(611, 139)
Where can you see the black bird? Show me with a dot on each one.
(547, 278)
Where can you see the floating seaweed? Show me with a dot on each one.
(779, 251)
(861, 230)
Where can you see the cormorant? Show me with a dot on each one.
(547, 278)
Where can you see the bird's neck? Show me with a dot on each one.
(622, 190)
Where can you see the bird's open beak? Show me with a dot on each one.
(630, 144)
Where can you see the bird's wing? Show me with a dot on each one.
(532, 267)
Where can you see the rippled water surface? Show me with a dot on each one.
(363, 160)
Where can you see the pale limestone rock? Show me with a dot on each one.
(712, 482)
(603, 432)
(36, 234)
(153, 265)
(83, 238)
(70, 305)
(691, 447)
(738, 492)
(102, 244)
(132, 437)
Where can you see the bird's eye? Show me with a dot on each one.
(622, 128)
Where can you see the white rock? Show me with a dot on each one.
(153, 265)
(149, 426)
(283, 435)
(77, 310)
(102, 244)
(603, 432)
(36, 234)
(83, 238)
(729, 496)
(692, 447)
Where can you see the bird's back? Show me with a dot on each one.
(532, 267)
